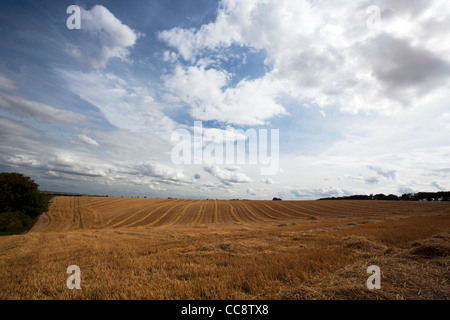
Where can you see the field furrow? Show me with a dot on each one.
(73, 213)
(121, 211)
(181, 214)
(234, 216)
(245, 214)
(271, 207)
(207, 213)
(259, 212)
(164, 219)
(296, 211)
(135, 248)
(190, 214)
(147, 216)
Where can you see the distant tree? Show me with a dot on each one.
(276, 199)
(358, 197)
(379, 196)
(407, 197)
(429, 196)
(392, 197)
(443, 194)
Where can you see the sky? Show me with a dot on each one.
(142, 97)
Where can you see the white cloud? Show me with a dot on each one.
(66, 163)
(407, 151)
(324, 52)
(315, 193)
(72, 163)
(320, 53)
(229, 175)
(22, 160)
(125, 105)
(160, 171)
(251, 102)
(112, 36)
(85, 139)
(183, 40)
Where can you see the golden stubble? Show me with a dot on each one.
(130, 248)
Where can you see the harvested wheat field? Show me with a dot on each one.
(129, 248)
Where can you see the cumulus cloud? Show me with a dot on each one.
(112, 37)
(405, 72)
(309, 53)
(321, 53)
(161, 172)
(229, 175)
(315, 193)
(250, 102)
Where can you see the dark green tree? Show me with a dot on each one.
(21, 202)
(392, 197)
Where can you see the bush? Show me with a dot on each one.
(21, 202)
(17, 222)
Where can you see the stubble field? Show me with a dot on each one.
(129, 248)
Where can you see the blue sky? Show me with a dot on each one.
(358, 91)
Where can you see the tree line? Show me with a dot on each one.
(419, 196)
